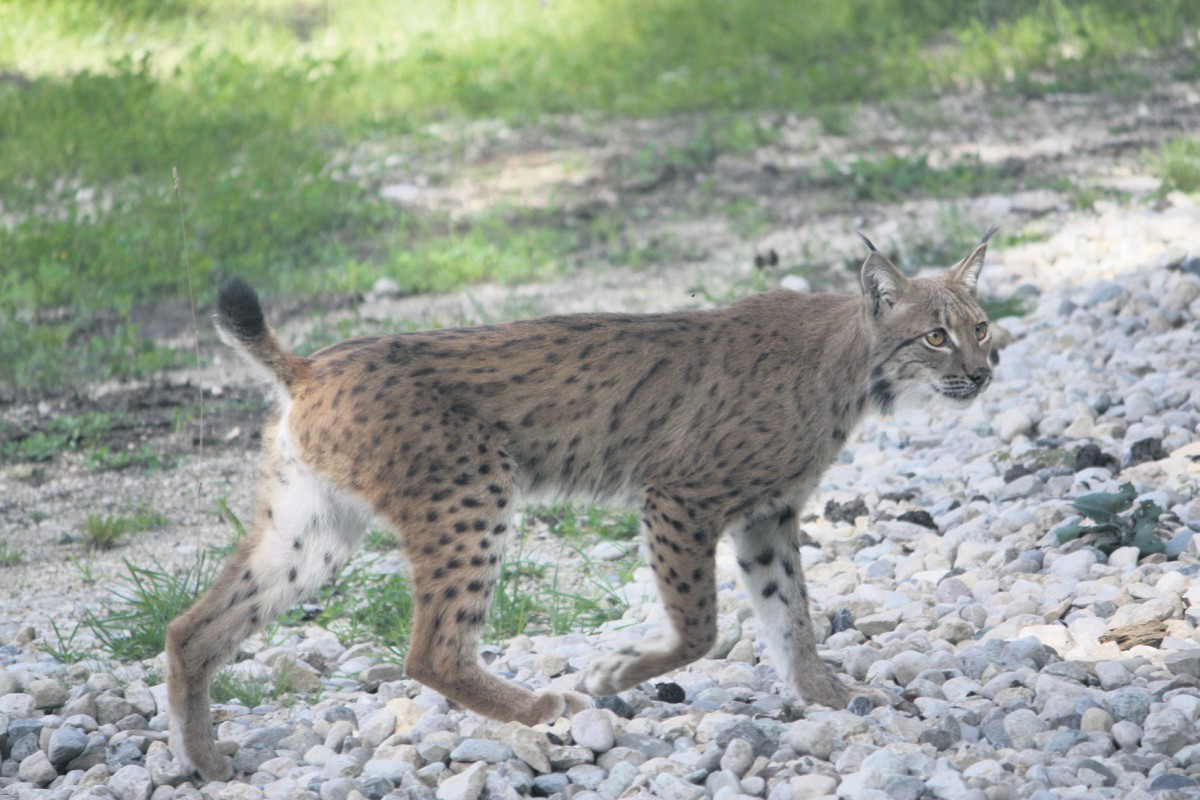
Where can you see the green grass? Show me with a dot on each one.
(56, 435)
(531, 596)
(10, 556)
(106, 532)
(1177, 165)
(257, 103)
(227, 686)
(133, 622)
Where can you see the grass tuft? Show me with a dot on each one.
(1177, 166)
(106, 532)
(133, 623)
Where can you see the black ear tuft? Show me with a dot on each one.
(239, 311)
(867, 242)
(882, 283)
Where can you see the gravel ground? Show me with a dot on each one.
(1033, 669)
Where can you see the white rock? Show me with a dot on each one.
(467, 785)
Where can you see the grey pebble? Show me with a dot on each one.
(481, 750)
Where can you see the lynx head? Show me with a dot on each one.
(931, 339)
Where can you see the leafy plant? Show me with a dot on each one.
(1116, 522)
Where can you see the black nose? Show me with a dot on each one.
(980, 375)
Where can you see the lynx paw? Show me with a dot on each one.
(608, 675)
(211, 765)
(549, 706)
(823, 687)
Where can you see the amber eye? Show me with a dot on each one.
(981, 331)
(936, 337)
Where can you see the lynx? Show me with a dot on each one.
(717, 421)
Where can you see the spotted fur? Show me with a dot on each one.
(714, 422)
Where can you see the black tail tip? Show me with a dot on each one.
(239, 311)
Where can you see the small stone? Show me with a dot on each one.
(738, 757)
(551, 664)
(467, 785)
(945, 733)
(338, 788)
(616, 705)
(1127, 735)
(551, 784)
(110, 708)
(47, 693)
(1022, 725)
(762, 735)
(1167, 731)
(669, 692)
(66, 743)
(813, 785)
(563, 757)
(904, 787)
(1112, 675)
(36, 768)
(952, 590)
(919, 517)
(650, 746)
(392, 769)
(593, 728)
(527, 744)
(1130, 703)
(811, 737)
(258, 746)
(1012, 423)
(1096, 719)
(1184, 662)
(1173, 782)
(18, 705)
(1146, 450)
(1026, 486)
(378, 726)
(908, 664)
(131, 782)
(882, 622)
(669, 787)
(1092, 773)
(481, 750)
(620, 777)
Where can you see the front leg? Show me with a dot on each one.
(770, 562)
(682, 556)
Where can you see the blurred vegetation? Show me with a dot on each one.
(253, 100)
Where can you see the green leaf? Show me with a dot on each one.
(1148, 542)
(1105, 506)
(1069, 532)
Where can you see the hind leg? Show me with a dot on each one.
(770, 563)
(303, 532)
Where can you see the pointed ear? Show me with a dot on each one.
(966, 271)
(882, 283)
